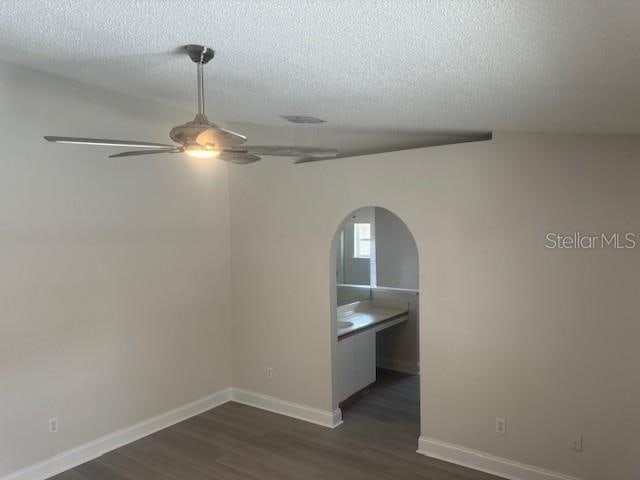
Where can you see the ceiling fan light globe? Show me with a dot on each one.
(199, 151)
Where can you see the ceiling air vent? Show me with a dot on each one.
(302, 119)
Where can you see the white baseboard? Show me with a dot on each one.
(485, 462)
(326, 418)
(398, 365)
(427, 446)
(95, 448)
(79, 455)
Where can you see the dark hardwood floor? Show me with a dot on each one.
(232, 442)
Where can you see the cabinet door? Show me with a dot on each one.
(346, 368)
(365, 359)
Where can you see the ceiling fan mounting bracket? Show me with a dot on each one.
(199, 53)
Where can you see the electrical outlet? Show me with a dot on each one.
(269, 372)
(576, 442)
(501, 425)
(53, 425)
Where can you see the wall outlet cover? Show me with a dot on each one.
(53, 425)
(501, 425)
(576, 442)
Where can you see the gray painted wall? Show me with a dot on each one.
(114, 273)
(396, 252)
(544, 338)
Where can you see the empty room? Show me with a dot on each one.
(320, 240)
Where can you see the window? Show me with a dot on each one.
(361, 240)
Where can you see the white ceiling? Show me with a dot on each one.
(390, 66)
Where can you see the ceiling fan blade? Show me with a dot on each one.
(315, 159)
(106, 142)
(146, 152)
(452, 140)
(220, 136)
(291, 151)
(238, 157)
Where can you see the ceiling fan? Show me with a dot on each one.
(202, 138)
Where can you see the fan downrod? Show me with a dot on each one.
(199, 53)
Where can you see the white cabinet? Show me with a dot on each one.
(365, 359)
(356, 357)
(346, 369)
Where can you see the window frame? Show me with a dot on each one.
(358, 239)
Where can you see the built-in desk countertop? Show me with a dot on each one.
(358, 317)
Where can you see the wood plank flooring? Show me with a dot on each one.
(235, 442)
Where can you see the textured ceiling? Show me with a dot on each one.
(388, 66)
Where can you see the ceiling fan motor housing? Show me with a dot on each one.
(187, 133)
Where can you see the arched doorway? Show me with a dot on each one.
(375, 316)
